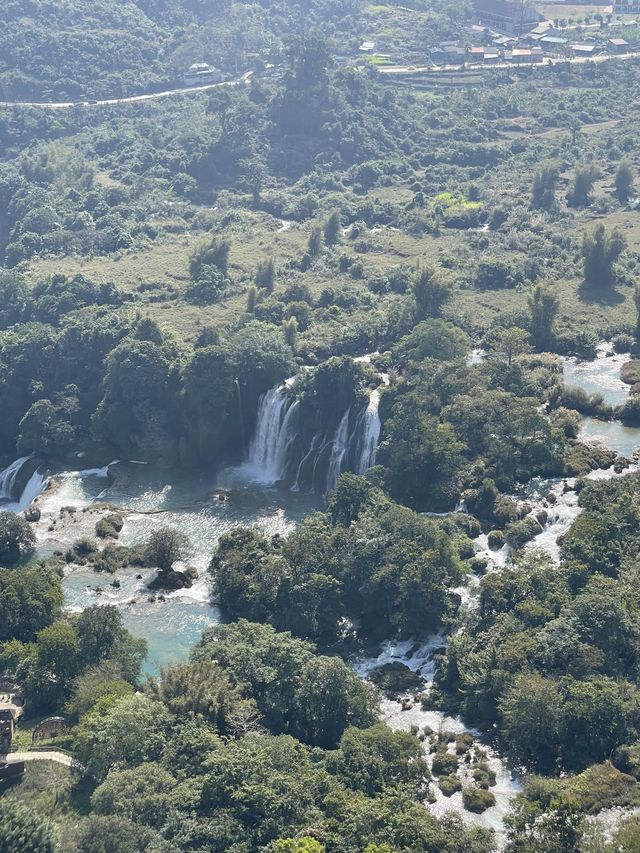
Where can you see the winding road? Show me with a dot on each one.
(134, 99)
(389, 70)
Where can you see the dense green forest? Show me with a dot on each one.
(164, 266)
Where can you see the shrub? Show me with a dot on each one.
(110, 526)
(477, 799)
(623, 342)
(518, 533)
(444, 763)
(449, 785)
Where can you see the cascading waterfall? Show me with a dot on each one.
(8, 478)
(275, 431)
(316, 441)
(281, 450)
(338, 450)
(35, 486)
(370, 434)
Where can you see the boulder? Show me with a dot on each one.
(32, 513)
(170, 580)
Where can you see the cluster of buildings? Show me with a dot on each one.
(512, 31)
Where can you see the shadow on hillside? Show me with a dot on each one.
(589, 292)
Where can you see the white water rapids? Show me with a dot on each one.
(599, 376)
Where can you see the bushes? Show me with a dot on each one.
(494, 273)
(518, 533)
(444, 763)
(110, 526)
(477, 800)
(449, 785)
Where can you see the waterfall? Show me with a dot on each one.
(8, 478)
(315, 443)
(275, 432)
(34, 487)
(339, 448)
(370, 434)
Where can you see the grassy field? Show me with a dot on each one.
(571, 10)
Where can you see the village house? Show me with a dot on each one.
(618, 46)
(553, 44)
(524, 55)
(476, 54)
(201, 73)
(586, 49)
(507, 16)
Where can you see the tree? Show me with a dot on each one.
(22, 829)
(624, 181)
(531, 718)
(15, 300)
(30, 599)
(543, 192)
(58, 651)
(266, 662)
(210, 283)
(423, 457)
(543, 308)
(212, 254)
(332, 228)
(208, 388)
(102, 637)
(306, 844)
(373, 759)
(600, 253)
(128, 732)
(580, 193)
(431, 293)
(45, 430)
(433, 339)
(290, 331)
(508, 343)
(346, 501)
(17, 539)
(166, 546)
(314, 245)
(594, 721)
(254, 174)
(266, 274)
(252, 298)
(138, 412)
(95, 683)
(198, 690)
(142, 794)
(115, 834)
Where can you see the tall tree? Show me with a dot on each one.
(624, 181)
(543, 307)
(600, 253)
